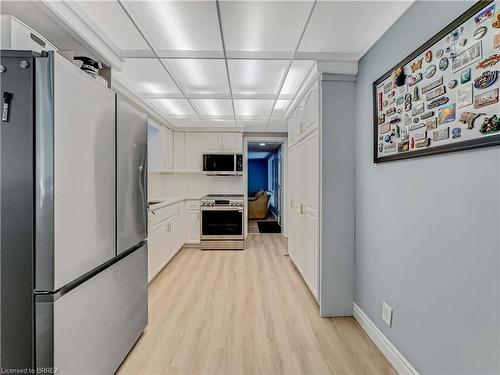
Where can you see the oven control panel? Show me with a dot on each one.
(222, 202)
(207, 202)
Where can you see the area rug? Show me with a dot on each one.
(269, 227)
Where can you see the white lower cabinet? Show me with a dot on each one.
(166, 237)
(193, 222)
(193, 226)
(303, 244)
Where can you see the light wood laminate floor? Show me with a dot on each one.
(245, 312)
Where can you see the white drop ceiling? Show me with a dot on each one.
(232, 63)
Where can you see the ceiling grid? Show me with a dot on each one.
(154, 50)
(232, 63)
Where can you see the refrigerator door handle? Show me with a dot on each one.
(142, 188)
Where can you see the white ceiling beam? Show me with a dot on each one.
(217, 96)
(340, 67)
(225, 58)
(239, 55)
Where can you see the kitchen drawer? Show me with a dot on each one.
(157, 215)
(193, 205)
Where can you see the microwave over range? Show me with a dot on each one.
(223, 164)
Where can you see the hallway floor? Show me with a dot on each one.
(245, 312)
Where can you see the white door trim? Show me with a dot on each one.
(284, 146)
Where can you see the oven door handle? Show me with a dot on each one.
(215, 208)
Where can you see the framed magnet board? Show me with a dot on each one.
(444, 97)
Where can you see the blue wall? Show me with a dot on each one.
(257, 175)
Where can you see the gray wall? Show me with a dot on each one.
(337, 193)
(427, 229)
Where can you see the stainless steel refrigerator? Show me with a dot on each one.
(73, 265)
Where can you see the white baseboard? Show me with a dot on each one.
(397, 360)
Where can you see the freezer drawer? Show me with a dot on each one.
(96, 324)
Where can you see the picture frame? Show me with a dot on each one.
(449, 92)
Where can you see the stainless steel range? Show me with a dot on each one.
(222, 218)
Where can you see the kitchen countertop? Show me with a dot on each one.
(167, 201)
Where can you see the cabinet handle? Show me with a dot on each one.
(301, 209)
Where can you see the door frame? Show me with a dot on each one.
(284, 183)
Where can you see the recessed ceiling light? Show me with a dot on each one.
(262, 144)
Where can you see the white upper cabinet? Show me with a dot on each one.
(223, 142)
(193, 152)
(179, 147)
(160, 148)
(169, 140)
(232, 142)
(212, 142)
(182, 152)
(304, 119)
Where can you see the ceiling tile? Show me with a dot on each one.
(146, 76)
(114, 22)
(173, 107)
(180, 25)
(295, 77)
(256, 76)
(263, 25)
(213, 107)
(253, 108)
(200, 76)
(350, 26)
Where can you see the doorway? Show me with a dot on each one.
(264, 188)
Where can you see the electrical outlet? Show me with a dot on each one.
(387, 314)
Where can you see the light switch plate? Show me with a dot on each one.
(387, 314)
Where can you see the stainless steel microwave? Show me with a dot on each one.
(223, 164)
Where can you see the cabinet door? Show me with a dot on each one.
(310, 121)
(193, 226)
(309, 251)
(169, 150)
(179, 148)
(308, 171)
(194, 158)
(180, 227)
(212, 142)
(168, 250)
(155, 245)
(155, 147)
(294, 126)
(233, 142)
